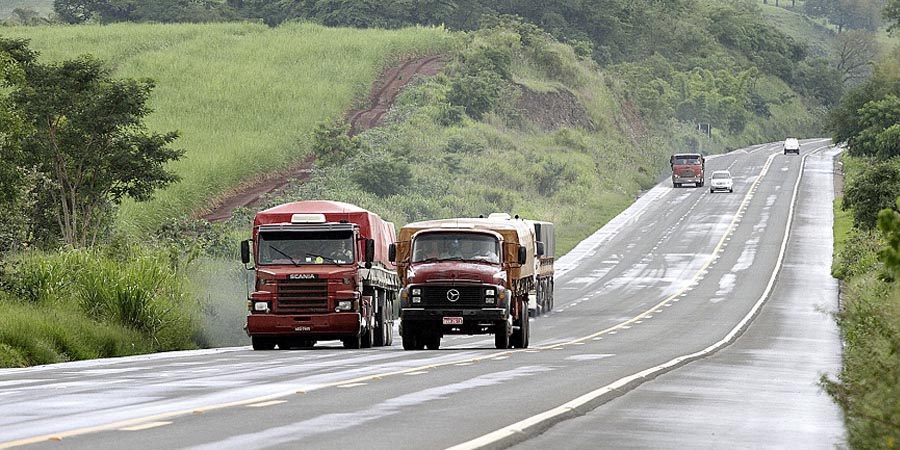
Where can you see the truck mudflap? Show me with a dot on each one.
(318, 326)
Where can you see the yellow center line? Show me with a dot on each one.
(145, 426)
(269, 403)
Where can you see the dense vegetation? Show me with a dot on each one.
(867, 259)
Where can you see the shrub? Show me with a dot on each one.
(477, 94)
(867, 193)
(331, 144)
(384, 176)
(858, 255)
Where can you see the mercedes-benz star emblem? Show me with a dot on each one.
(453, 295)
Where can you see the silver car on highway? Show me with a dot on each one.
(721, 181)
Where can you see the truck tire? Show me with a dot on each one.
(380, 332)
(380, 337)
(520, 333)
(526, 333)
(262, 343)
(501, 336)
(409, 338)
(367, 338)
(388, 334)
(433, 342)
(352, 342)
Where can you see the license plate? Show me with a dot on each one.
(453, 320)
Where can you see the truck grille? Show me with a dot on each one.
(468, 296)
(302, 296)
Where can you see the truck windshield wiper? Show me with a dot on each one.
(293, 261)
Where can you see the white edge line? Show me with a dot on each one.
(541, 420)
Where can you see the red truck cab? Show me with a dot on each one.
(321, 273)
(687, 168)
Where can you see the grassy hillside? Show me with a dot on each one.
(243, 96)
(801, 27)
(528, 155)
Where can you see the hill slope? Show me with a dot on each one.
(244, 97)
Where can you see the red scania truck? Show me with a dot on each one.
(687, 168)
(322, 273)
(465, 276)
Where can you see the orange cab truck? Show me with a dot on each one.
(322, 273)
(465, 276)
(687, 168)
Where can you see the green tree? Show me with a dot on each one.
(86, 134)
(855, 52)
(873, 190)
(855, 14)
(880, 120)
(847, 124)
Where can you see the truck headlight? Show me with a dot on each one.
(345, 305)
(417, 299)
(416, 291)
(261, 306)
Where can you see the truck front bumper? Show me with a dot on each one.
(312, 326)
(473, 321)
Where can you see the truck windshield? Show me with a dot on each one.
(686, 161)
(305, 247)
(456, 246)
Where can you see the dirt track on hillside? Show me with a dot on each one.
(384, 92)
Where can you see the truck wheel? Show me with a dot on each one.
(353, 342)
(409, 338)
(379, 319)
(501, 336)
(526, 333)
(380, 338)
(519, 337)
(388, 334)
(367, 338)
(433, 342)
(261, 343)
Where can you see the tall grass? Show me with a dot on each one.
(79, 304)
(243, 96)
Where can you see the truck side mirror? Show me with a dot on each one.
(370, 252)
(392, 253)
(540, 248)
(245, 252)
(523, 254)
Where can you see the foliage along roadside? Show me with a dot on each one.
(868, 263)
(81, 304)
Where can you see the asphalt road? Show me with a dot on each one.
(692, 320)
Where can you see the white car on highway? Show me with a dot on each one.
(721, 181)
